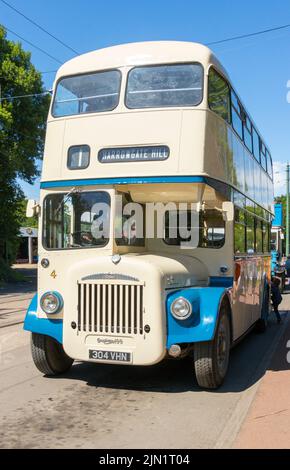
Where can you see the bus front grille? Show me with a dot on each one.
(110, 308)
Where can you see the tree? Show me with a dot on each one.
(31, 222)
(22, 129)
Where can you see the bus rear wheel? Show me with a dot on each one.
(48, 355)
(211, 358)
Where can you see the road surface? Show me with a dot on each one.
(103, 406)
(15, 298)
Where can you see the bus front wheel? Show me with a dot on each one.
(211, 358)
(48, 355)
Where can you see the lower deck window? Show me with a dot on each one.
(250, 233)
(209, 231)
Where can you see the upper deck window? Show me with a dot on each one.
(269, 164)
(256, 145)
(263, 155)
(237, 115)
(91, 93)
(219, 95)
(165, 85)
(248, 133)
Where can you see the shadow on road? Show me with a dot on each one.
(247, 366)
(247, 363)
(15, 296)
(29, 285)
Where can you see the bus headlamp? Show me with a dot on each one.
(51, 302)
(181, 308)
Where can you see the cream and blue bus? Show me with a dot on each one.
(153, 129)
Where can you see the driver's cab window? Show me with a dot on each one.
(76, 220)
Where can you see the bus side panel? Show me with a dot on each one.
(201, 325)
(251, 274)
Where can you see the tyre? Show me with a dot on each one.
(262, 323)
(48, 355)
(211, 358)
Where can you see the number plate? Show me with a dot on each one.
(112, 356)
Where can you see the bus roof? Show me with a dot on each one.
(145, 53)
(140, 53)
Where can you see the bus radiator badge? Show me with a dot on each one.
(116, 259)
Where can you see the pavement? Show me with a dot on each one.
(106, 407)
(267, 424)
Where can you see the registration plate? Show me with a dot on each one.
(112, 356)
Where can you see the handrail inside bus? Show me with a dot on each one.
(163, 90)
(87, 97)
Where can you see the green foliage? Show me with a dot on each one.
(22, 129)
(31, 222)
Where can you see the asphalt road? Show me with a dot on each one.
(102, 406)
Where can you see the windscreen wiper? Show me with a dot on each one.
(72, 191)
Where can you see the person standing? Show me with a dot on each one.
(276, 297)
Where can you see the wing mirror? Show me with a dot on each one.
(32, 208)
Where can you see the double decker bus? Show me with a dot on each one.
(155, 212)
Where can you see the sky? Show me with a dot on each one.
(259, 67)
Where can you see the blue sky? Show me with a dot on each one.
(259, 67)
